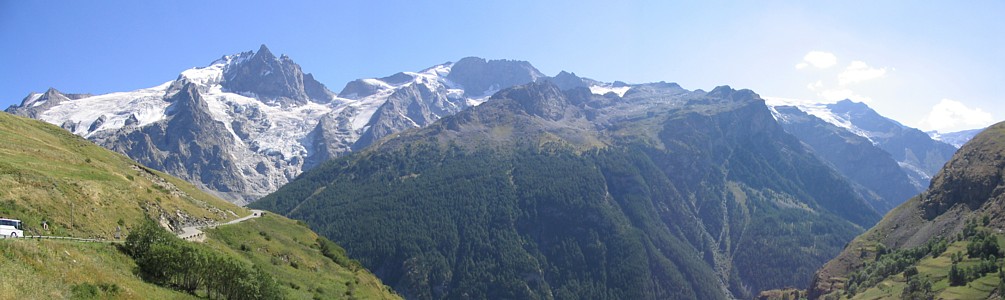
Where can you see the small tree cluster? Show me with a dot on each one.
(918, 288)
(889, 262)
(959, 276)
(337, 254)
(983, 245)
(956, 276)
(166, 260)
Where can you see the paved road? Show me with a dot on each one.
(191, 233)
(49, 237)
(194, 233)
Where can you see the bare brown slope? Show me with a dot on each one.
(970, 185)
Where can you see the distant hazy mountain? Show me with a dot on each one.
(860, 143)
(957, 139)
(608, 191)
(248, 123)
(880, 179)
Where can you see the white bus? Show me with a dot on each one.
(11, 228)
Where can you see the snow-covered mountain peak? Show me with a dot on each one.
(209, 75)
(917, 154)
(248, 123)
(957, 139)
(31, 99)
(233, 58)
(817, 109)
(89, 115)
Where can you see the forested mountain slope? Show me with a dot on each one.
(541, 193)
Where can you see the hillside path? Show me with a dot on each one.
(194, 233)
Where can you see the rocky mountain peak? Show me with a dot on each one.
(565, 80)
(727, 93)
(563, 73)
(479, 76)
(398, 78)
(870, 119)
(35, 103)
(543, 99)
(187, 101)
(358, 88)
(278, 81)
(51, 92)
(849, 105)
(860, 111)
(264, 53)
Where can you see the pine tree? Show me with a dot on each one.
(956, 276)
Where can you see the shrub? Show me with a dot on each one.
(84, 291)
(166, 260)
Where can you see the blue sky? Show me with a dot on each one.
(926, 64)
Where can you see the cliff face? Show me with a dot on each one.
(185, 143)
(972, 178)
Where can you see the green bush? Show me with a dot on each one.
(166, 260)
(84, 291)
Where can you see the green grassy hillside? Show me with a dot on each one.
(50, 269)
(82, 190)
(924, 272)
(41, 269)
(292, 253)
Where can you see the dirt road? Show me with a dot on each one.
(195, 234)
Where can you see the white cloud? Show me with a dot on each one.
(818, 59)
(815, 86)
(952, 115)
(831, 90)
(859, 71)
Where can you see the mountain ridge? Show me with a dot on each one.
(918, 154)
(280, 120)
